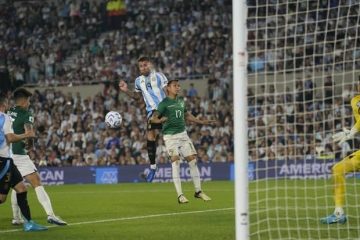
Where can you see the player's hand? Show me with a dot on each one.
(29, 132)
(342, 136)
(123, 86)
(163, 119)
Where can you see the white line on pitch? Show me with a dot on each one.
(132, 218)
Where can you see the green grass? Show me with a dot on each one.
(283, 209)
(130, 211)
(291, 209)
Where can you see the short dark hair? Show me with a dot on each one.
(172, 80)
(21, 93)
(144, 59)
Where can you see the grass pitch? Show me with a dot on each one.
(291, 209)
(130, 211)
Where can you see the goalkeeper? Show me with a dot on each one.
(350, 163)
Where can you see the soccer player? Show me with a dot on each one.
(172, 113)
(23, 119)
(150, 85)
(349, 164)
(9, 174)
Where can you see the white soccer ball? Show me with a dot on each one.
(113, 119)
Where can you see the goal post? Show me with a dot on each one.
(240, 119)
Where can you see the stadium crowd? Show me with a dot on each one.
(299, 124)
(185, 38)
(310, 35)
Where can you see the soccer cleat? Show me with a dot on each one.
(32, 226)
(182, 199)
(334, 219)
(151, 175)
(56, 220)
(202, 195)
(17, 221)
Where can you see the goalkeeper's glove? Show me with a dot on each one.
(345, 135)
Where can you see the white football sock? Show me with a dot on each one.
(339, 211)
(176, 176)
(44, 200)
(195, 175)
(15, 207)
(152, 166)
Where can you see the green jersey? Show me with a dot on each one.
(20, 117)
(174, 110)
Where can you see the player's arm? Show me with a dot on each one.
(156, 118)
(164, 83)
(124, 88)
(192, 118)
(347, 134)
(11, 137)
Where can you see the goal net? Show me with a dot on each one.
(303, 67)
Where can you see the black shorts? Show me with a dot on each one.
(9, 175)
(152, 126)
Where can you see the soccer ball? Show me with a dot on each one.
(113, 119)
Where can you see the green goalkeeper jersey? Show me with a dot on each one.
(20, 117)
(174, 110)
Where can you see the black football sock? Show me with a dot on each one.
(23, 205)
(151, 147)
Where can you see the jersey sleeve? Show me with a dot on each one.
(137, 85)
(29, 119)
(8, 125)
(163, 80)
(161, 108)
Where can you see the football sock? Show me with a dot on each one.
(151, 148)
(23, 205)
(195, 175)
(44, 200)
(15, 206)
(339, 211)
(176, 176)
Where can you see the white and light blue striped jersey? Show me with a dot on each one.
(152, 89)
(5, 128)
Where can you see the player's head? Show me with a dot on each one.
(22, 97)
(173, 87)
(3, 103)
(145, 65)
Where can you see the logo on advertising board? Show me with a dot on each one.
(51, 176)
(164, 174)
(106, 175)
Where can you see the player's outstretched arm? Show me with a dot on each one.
(346, 134)
(193, 119)
(124, 88)
(12, 137)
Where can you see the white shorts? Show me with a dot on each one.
(24, 164)
(179, 143)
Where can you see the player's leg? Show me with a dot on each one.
(29, 172)
(43, 198)
(16, 182)
(17, 219)
(350, 163)
(171, 144)
(188, 151)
